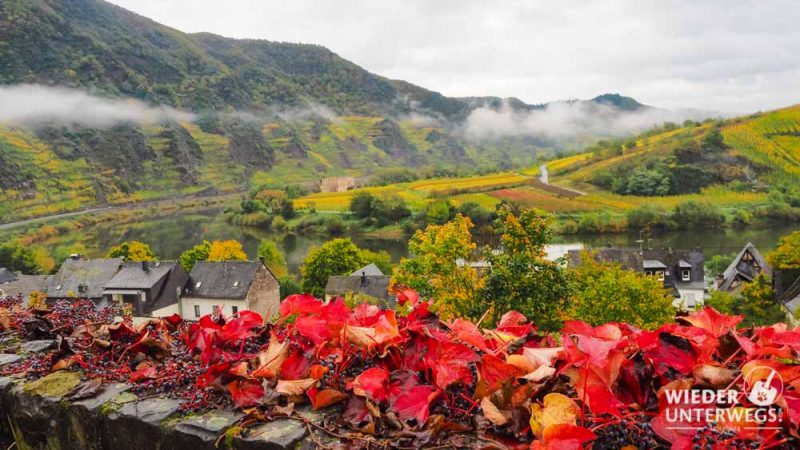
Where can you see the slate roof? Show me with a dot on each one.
(653, 264)
(222, 279)
(745, 270)
(133, 276)
(369, 270)
(374, 286)
(85, 278)
(7, 276)
(24, 285)
(163, 279)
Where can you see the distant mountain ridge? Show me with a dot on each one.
(247, 95)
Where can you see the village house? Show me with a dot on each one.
(341, 184)
(744, 268)
(12, 284)
(368, 280)
(82, 278)
(681, 271)
(227, 287)
(151, 288)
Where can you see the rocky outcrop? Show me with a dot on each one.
(39, 415)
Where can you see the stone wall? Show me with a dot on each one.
(37, 415)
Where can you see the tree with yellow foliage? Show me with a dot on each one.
(132, 251)
(438, 268)
(787, 255)
(227, 251)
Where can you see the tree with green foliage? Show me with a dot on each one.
(272, 257)
(717, 264)
(787, 255)
(287, 209)
(605, 292)
(437, 268)
(361, 204)
(19, 259)
(336, 257)
(521, 277)
(694, 215)
(439, 212)
(197, 253)
(756, 303)
(648, 182)
(132, 251)
(648, 217)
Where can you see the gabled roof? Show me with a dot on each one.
(84, 278)
(134, 276)
(653, 264)
(6, 276)
(222, 279)
(368, 270)
(24, 285)
(741, 268)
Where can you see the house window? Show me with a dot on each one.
(235, 311)
(198, 284)
(235, 284)
(215, 310)
(197, 310)
(686, 274)
(660, 275)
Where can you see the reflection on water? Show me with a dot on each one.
(170, 235)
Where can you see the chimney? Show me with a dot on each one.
(145, 266)
(363, 279)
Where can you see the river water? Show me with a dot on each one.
(170, 235)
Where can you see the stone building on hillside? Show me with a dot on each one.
(227, 287)
(342, 184)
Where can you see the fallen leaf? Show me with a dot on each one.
(556, 409)
(492, 413)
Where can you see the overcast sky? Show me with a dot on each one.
(731, 56)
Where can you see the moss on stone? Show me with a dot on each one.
(115, 404)
(230, 435)
(56, 384)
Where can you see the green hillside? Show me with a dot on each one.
(254, 101)
(755, 152)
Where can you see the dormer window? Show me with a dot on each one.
(235, 284)
(686, 275)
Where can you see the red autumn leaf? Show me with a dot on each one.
(415, 403)
(372, 383)
(449, 363)
(144, 371)
(119, 330)
(467, 332)
(299, 304)
(406, 295)
(669, 351)
(174, 320)
(593, 350)
(315, 329)
(239, 328)
(296, 365)
(245, 392)
(494, 372)
(322, 398)
(713, 321)
(596, 394)
(566, 437)
(214, 374)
